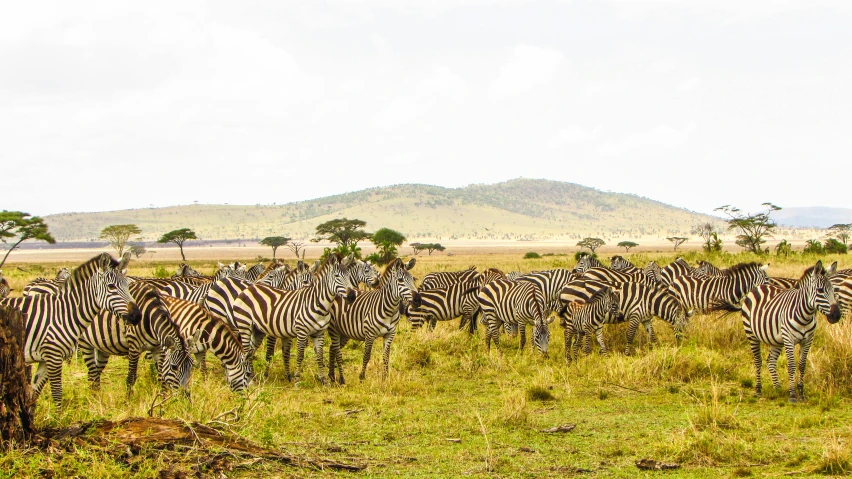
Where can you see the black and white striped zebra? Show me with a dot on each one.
(678, 267)
(614, 278)
(582, 320)
(585, 262)
(5, 289)
(55, 321)
(156, 333)
(444, 304)
(706, 269)
(651, 271)
(195, 292)
(371, 315)
(302, 314)
(619, 263)
(514, 302)
(42, 285)
(637, 304)
(550, 282)
(699, 293)
(843, 291)
(211, 334)
(442, 279)
(783, 318)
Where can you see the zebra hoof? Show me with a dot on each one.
(794, 399)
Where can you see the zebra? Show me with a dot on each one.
(515, 302)
(55, 321)
(699, 293)
(706, 269)
(514, 275)
(619, 263)
(582, 319)
(443, 304)
(637, 304)
(678, 267)
(180, 288)
(252, 274)
(783, 283)
(487, 276)
(302, 314)
(587, 261)
(5, 290)
(275, 265)
(443, 279)
(156, 332)
(843, 290)
(213, 334)
(370, 315)
(363, 272)
(42, 285)
(783, 318)
(652, 270)
(550, 282)
(614, 278)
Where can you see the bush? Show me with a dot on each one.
(578, 254)
(814, 247)
(161, 272)
(532, 255)
(832, 246)
(783, 249)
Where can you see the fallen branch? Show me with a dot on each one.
(562, 428)
(652, 465)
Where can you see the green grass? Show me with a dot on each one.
(693, 405)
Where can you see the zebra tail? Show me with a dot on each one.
(722, 305)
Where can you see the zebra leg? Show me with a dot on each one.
(387, 340)
(301, 344)
(368, 349)
(286, 344)
(790, 352)
(631, 334)
(772, 365)
(332, 354)
(90, 358)
(599, 336)
(39, 380)
(200, 359)
(319, 339)
(54, 373)
(649, 328)
(755, 352)
(433, 321)
(803, 361)
(522, 330)
(569, 338)
(132, 368)
(270, 348)
(338, 358)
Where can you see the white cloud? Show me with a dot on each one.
(528, 67)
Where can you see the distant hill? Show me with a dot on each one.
(812, 217)
(521, 209)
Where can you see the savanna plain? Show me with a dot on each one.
(450, 408)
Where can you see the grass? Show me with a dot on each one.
(693, 405)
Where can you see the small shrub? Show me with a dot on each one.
(836, 459)
(814, 247)
(603, 394)
(532, 255)
(161, 272)
(514, 410)
(832, 246)
(746, 383)
(538, 393)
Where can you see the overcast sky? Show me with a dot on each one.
(112, 105)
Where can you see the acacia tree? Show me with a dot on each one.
(784, 248)
(275, 242)
(418, 247)
(18, 226)
(430, 247)
(119, 235)
(627, 245)
(345, 233)
(841, 231)
(178, 237)
(752, 229)
(591, 243)
(137, 249)
(710, 235)
(295, 247)
(677, 241)
(386, 240)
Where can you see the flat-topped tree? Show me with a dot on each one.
(119, 235)
(430, 247)
(677, 241)
(417, 247)
(17, 227)
(345, 233)
(137, 249)
(841, 231)
(295, 247)
(178, 237)
(386, 240)
(627, 245)
(753, 229)
(274, 242)
(591, 243)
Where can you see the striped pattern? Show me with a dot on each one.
(783, 318)
(371, 315)
(518, 303)
(587, 262)
(443, 304)
(677, 268)
(582, 320)
(637, 304)
(302, 314)
(109, 336)
(55, 321)
(699, 294)
(5, 290)
(614, 278)
(444, 279)
(210, 334)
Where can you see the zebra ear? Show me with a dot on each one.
(169, 343)
(832, 270)
(348, 260)
(315, 266)
(122, 265)
(765, 267)
(410, 263)
(105, 262)
(220, 265)
(818, 268)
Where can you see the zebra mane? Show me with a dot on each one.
(396, 263)
(495, 270)
(333, 258)
(818, 267)
(85, 271)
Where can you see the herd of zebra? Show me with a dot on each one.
(101, 311)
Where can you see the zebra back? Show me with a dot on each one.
(550, 282)
(443, 279)
(678, 267)
(504, 301)
(614, 278)
(702, 293)
(619, 263)
(444, 304)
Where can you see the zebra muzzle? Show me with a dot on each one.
(133, 315)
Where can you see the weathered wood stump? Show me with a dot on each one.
(16, 411)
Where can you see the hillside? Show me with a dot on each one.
(521, 209)
(814, 216)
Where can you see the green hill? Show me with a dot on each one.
(514, 210)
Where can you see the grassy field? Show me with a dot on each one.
(451, 409)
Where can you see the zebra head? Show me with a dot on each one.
(398, 277)
(364, 272)
(541, 333)
(111, 289)
(618, 263)
(654, 272)
(334, 275)
(62, 274)
(820, 292)
(585, 262)
(4, 286)
(240, 377)
(177, 362)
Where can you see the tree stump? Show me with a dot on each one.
(16, 411)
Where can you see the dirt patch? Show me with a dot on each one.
(201, 448)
